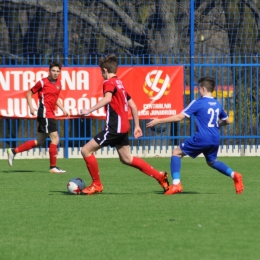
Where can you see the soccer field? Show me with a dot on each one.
(132, 218)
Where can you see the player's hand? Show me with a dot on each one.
(84, 112)
(152, 123)
(66, 113)
(33, 111)
(138, 132)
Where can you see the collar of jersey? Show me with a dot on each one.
(53, 82)
(208, 97)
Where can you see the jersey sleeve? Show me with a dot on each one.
(37, 87)
(128, 97)
(223, 115)
(108, 87)
(191, 108)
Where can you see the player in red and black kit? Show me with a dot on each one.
(117, 102)
(48, 90)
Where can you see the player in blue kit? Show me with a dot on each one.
(209, 117)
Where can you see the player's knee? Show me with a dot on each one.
(55, 140)
(176, 153)
(211, 164)
(126, 160)
(122, 161)
(40, 142)
(83, 152)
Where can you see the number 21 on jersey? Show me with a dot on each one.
(212, 112)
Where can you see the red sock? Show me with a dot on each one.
(53, 154)
(25, 147)
(145, 168)
(92, 165)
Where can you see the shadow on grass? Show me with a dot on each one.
(21, 171)
(129, 193)
(187, 193)
(103, 193)
(61, 192)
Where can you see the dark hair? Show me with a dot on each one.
(208, 83)
(109, 62)
(55, 64)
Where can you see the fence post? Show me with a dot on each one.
(192, 52)
(65, 32)
(66, 51)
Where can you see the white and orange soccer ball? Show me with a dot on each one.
(75, 186)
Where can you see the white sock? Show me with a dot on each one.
(176, 181)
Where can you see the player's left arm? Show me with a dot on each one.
(187, 112)
(176, 118)
(137, 131)
(65, 112)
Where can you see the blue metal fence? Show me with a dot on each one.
(236, 75)
(240, 99)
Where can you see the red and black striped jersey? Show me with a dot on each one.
(48, 94)
(117, 110)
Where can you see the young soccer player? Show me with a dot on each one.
(117, 102)
(48, 90)
(209, 117)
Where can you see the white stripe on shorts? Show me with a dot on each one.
(105, 138)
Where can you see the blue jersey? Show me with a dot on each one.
(207, 111)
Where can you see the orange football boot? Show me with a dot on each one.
(164, 181)
(174, 189)
(238, 182)
(92, 189)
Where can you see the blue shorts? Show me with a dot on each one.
(193, 148)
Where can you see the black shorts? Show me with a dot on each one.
(104, 138)
(47, 125)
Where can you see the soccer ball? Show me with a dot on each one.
(75, 186)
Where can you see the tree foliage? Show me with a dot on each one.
(139, 27)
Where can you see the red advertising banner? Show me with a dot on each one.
(157, 90)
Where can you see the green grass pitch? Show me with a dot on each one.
(132, 219)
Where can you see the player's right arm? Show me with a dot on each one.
(102, 102)
(223, 122)
(37, 87)
(29, 101)
(223, 118)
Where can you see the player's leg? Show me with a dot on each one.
(175, 166)
(87, 152)
(126, 158)
(211, 158)
(21, 148)
(48, 126)
(53, 152)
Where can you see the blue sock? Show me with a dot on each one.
(223, 168)
(175, 167)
